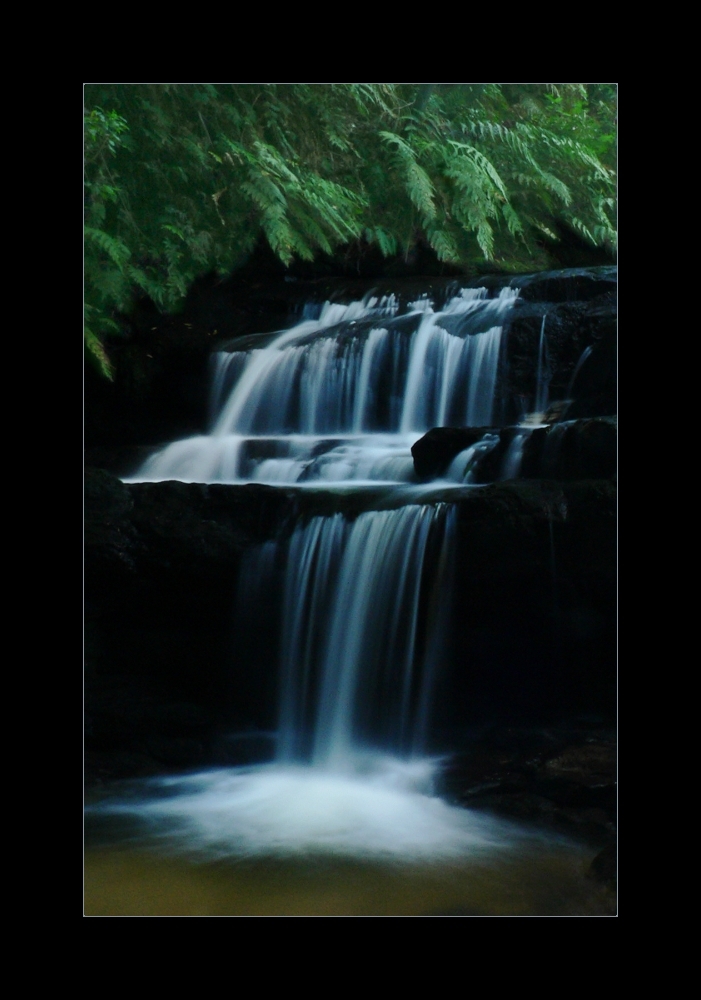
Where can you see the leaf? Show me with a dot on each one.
(115, 249)
(97, 353)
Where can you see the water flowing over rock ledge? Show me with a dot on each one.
(318, 582)
(168, 675)
(163, 395)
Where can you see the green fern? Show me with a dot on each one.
(182, 179)
(115, 249)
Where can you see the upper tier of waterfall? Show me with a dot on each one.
(342, 395)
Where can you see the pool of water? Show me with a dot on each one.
(303, 841)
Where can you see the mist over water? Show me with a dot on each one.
(377, 808)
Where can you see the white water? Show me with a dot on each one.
(352, 671)
(342, 398)
(383, 810)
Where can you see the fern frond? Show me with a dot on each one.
(117, 251)
(582, 228)
(97, 354)
(386, 241)
(444, 245)
(484, 163)
(512, 220)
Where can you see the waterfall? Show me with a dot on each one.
(342, 397)
(349, 614)
(365, 607)
(352, 607)
(354, 665)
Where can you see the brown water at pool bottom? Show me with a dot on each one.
(540, 881)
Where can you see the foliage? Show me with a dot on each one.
(184, 179)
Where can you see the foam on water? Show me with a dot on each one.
(377, 807)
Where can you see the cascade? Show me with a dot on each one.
(343, 396)
(337, 401)
(334, 404)
(351, 620)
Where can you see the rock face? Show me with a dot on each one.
(579, 449)
(534, 612)
(577, 311)
(161, 569)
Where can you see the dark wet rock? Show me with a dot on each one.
(162, 659)
(592, 763)
(595, 384)
(236, 749)
(570, 450)
(180, 718)
(581, 449)
(562, 779)
(214, 522)
(540, 556)
(581, 346)
(604, 867)
(580, 284)
(109, 535)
